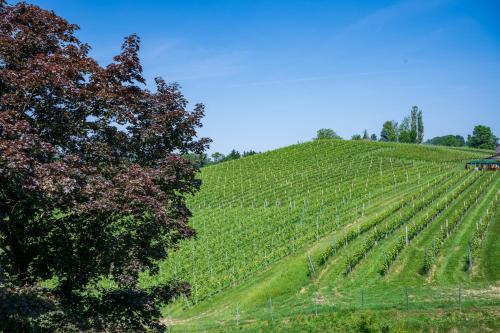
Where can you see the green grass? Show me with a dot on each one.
(260, 220)
(373, 321)
(489, 267)
(452, 261)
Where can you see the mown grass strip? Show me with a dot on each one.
(420, 222)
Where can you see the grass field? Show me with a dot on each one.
(367, 235)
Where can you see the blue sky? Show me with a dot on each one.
(273, 72)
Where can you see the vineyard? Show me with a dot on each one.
(334, 216)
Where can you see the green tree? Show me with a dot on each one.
(217, 157)
(80, 197)
(373, 137)
(414, 128)
(233, 155)
(482, 137)
(366, 136)
(356, 137)
(198, 160)
(326, 133)
(448, 140)
(389, 132)
(405, 133)
(248, 153)
(420, 129)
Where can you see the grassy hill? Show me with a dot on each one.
(328, 226)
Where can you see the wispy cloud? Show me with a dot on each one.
(385, 15)
(161, 48)
(315, 78)
(216, 65)
(175, 60)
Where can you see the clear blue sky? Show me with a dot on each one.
(273, 72)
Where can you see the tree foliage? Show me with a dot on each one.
(448, 140)
(327, 133)
(93, 178)
(420, 127)
(389, 132)
(405, 132)
(217, 157)
(248, 153)
(411, 129)
(198, 160)
(482, 137)
(201, 160)
(366, 136)
(233, 155)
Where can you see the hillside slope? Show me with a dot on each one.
(326, 219)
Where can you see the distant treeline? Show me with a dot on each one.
(482, 137)
(447, 140)
(201, 160)
(411, 130)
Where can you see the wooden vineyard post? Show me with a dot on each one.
(460, 297)
(315, 301)
(311, 265)
(407, 300)
(317, 228)
(362, 298)
(237, 316)
(271, 308)
(469, 258)
(406, 234)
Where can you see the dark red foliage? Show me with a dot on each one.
(92, 181)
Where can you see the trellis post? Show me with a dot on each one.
(271, 308)
(406, 234)
(237, 316)
(460, 297)
(311, 264)
(407, 300)
(362, 298)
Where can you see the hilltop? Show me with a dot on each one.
(330, 220)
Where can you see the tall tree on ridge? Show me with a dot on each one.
(248, 153)
(413, 129)
(405, 132)
(326, 133)
(217, 157)
(389, 131)
(482, 137)
(420, 125)
(366, 136)
(233, 155)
